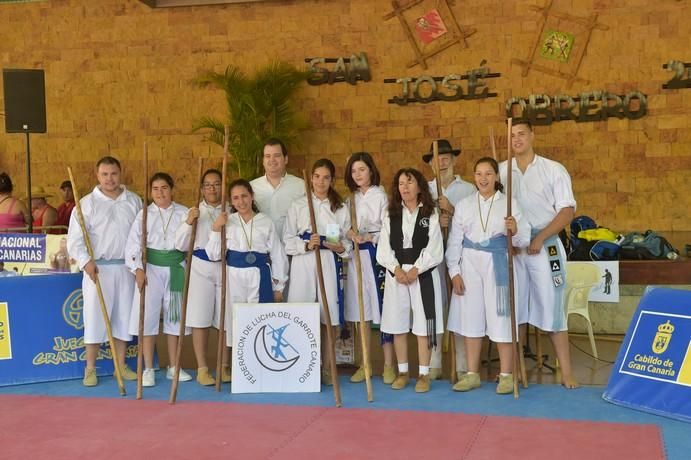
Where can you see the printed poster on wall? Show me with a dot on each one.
(276, 348)
(35, 254)
(607, 290)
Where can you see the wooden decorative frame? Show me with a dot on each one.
(582, 29)
(455, 34)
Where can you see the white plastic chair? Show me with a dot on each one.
(580, 278)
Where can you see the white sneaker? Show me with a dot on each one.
(148, 378)
(184, 376)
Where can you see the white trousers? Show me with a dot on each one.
(535, 292)
(204, 297)
(304, 286)
(157, 300)
(370, 295)
(242, 287)
(474, 314)
(403, 309)
(117, 284)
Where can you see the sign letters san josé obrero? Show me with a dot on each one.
(276, 348)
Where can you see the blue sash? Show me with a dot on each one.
(110, 261)
(379, 280)
(339, 275)
(201, 254)
(237, 259)
(557, 268)
(500, 261)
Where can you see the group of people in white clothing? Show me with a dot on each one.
(272, 249)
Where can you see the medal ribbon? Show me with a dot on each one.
(479, 210)
(242, 225)
(166, 225)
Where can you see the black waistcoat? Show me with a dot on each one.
(409, 256)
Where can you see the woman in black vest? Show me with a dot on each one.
(410, 247)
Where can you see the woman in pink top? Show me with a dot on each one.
(14, 214)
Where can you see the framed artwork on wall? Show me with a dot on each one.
(430, 27)
(560, 44)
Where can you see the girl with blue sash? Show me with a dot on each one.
(256, 263)
(371, 203)
(164, 277)
(410, 248)
(302, 243)
(204, 295)
(477, 260)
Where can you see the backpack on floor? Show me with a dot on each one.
(578, 224)
(646, 246)
(604, 250)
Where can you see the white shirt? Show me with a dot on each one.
(160, 232)
(430, 256)
(542, 191)
(207, 216)
(371, 208)
(107, 221)
(298, 222)
(469, 222)
(455, 191)
(261, 232)
(275, 202)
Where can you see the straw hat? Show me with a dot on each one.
(39, 192)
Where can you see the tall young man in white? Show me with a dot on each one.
(543, 190)
(109, 211)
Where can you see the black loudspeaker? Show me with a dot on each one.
(25, 100)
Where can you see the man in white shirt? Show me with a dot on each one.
(109, 211)
(543, 190)
(453, 190)
(276, 190)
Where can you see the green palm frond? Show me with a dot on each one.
(258, 108)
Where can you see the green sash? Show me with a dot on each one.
(170, 259)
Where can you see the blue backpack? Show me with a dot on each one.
(604, 250)
(577, 225)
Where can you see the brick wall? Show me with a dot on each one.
(119, 73)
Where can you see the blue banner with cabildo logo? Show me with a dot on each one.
(41, 331)
(653, 369)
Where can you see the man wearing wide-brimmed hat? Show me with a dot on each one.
(43, 214)
(453, 189)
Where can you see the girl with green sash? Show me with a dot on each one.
(164, 277)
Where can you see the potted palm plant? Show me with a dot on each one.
(258, 108)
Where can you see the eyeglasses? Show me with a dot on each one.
(213, 185)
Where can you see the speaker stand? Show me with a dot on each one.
(28, 181)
